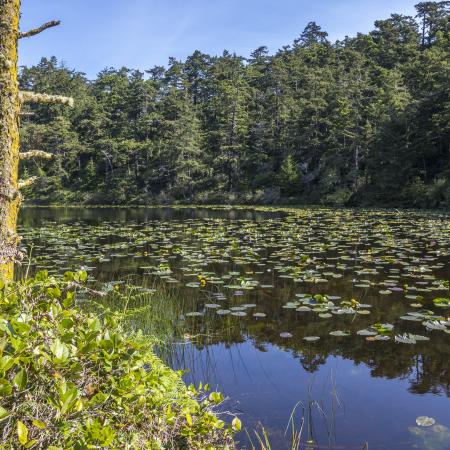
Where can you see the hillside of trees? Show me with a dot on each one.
(362, 121)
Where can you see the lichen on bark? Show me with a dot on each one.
(9, 135)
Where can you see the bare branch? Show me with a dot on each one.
(40, 29)
(33, 97)
(27, 182)
(35, 154)
(27, 113)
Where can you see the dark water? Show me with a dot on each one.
(347, 390)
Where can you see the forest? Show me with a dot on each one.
(230, 252)
(363, 121)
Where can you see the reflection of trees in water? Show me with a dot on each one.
(425, 365)
(311, 361)
(429, 375)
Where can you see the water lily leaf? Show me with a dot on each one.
(381, 337)
(339, 333)
(435, 325)
(424, 421)
(411, 318)
(285, 334)
(366, 333)
(442, 302)
(311, 338)
(418, 337)
(290, 306)
(303, 309)
(405, 339)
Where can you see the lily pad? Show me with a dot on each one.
(285, 334)
(424, 421)
(339, 333)
(311, 338)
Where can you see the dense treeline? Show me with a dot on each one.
(362, 121)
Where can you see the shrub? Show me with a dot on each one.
(69, 380)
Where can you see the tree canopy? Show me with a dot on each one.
(362, 121)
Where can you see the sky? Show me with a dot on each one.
(139, 34)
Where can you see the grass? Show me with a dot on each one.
(70, 380)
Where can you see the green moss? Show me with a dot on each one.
(72, 381)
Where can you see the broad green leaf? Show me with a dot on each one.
(60, 350)
(39, 424)
(4, 413)
(236, 424)
(21, 379)
(5, 387)
(22, 432)
(6, 362)
(54, 292)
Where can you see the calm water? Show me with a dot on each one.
(236, 292)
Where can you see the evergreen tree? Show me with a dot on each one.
(364, 120)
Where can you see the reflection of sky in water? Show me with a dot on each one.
(265, 387)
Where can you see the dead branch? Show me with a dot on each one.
(35, 154)
(33, 97)
(40, 29)
(27, 182)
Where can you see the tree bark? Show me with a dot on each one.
(9, 135)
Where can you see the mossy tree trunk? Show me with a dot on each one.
(9, 135)
(10, 103)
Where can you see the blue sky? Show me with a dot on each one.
(140, 34)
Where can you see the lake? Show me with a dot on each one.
(335, 322)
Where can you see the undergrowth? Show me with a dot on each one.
(70, 380)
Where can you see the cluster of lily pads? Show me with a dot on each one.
(367, 260)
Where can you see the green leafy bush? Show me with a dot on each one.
(69, 380)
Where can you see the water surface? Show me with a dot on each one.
(235, 292)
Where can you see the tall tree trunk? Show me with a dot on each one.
(9, 135)
(10, 102)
